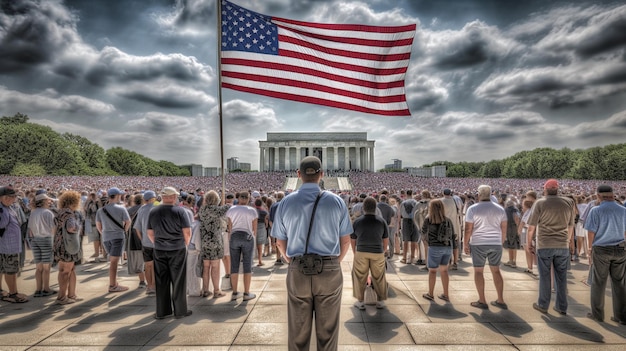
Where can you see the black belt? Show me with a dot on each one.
(621, 246)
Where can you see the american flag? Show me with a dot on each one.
(353, 67)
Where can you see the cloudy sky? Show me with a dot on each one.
(487, 78)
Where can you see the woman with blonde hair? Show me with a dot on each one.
(438, 230)
(212, 217)
(67, 252)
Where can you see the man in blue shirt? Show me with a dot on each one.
(606, 225)
(319, 292)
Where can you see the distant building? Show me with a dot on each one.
(428, 172)
(232, 164)
(195, 169)
(245, 166)
(212, 172)
(397, 164)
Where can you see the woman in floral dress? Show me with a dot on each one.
(212, 224)
(67, 217)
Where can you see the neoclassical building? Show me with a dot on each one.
(338, 151)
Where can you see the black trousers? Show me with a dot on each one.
(170, 271)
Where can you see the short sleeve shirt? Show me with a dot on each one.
(168, 222)
(487, 219)
(241, 218)
(293, 215)
(369, 232)
(110, 230)
(608, 222)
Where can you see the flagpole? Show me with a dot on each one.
(219, 93)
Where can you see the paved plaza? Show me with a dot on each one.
(124, 321)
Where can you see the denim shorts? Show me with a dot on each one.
(114, 247)
(439, 256)
(482, 253)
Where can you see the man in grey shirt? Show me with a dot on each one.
(113, 221)
(141, 228)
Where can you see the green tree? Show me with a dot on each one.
(18, 118)
(93, 154)
(126, 162)
(30, 143)
(28, 170)
(491, 169)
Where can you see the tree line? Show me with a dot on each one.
(29, 149)
(606, 163)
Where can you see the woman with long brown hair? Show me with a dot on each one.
(69, 223)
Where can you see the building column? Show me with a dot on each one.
(261, 159)
(277, 159)
(357, 152)
(298, 156)
(336, 157)
(372, 167)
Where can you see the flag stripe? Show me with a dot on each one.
(348, 27)
(312, 93)
(329, 59)
(273, 69)
(355, 67)
(314, 86)
(363, 55)
(319, 101)
(294, 64)
(353, 40)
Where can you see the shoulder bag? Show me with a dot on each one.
(310, 264)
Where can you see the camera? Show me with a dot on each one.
(310, 264)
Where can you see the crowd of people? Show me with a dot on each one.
(430, 222)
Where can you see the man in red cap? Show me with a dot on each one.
(552, 220)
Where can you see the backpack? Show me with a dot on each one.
(445, 232)
(408, 207)
(421, 213)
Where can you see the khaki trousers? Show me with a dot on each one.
(312, 296)
(364, 264)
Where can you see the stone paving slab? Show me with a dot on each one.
(124, 321)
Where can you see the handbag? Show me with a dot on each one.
(226, 284)
(199, 267)
(88, 227)
(71, 241)
(135, 262)
(370, 296)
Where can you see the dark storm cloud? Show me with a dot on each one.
(161, 100)
(194, 12)
(483, 133)
(608, 36)
(33, 33)
(113, 64)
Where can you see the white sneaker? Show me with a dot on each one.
(235, 296)
(248, 296)
(380, 304)
(360, 305)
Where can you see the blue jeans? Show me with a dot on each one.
(557, 259)
(241, 249)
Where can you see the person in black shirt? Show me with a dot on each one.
(370, 237)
